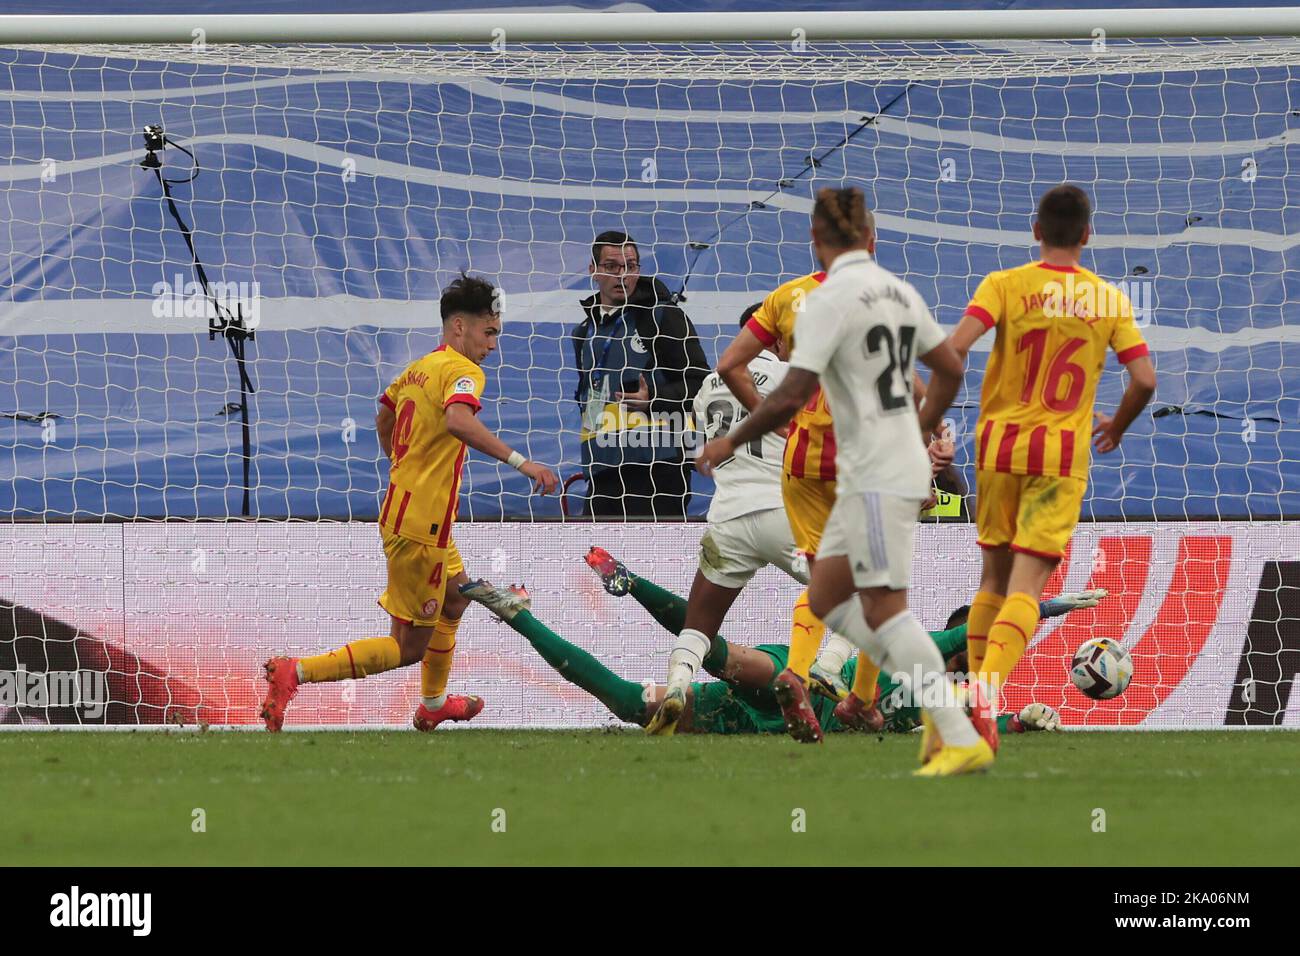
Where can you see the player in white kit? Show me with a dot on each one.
(748, 528)
(858, 337)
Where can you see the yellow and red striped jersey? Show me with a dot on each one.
(424, 479)
(810, 445)
(1054, 324)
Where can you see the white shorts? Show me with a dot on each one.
(733, 551)
(876, 532)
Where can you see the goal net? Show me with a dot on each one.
(340, 186)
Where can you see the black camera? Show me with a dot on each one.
(154, 140)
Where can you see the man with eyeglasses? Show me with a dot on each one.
(639, 363)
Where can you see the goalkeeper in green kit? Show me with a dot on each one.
(742, 700)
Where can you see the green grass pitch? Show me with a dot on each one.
(623, 798)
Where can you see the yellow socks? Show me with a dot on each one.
(983, 612)
(370, 655)
(436, 666)
(1008, 637)
(806, 635)
(864, 679)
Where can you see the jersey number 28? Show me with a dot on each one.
(894, 384)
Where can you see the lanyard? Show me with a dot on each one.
(609, 341)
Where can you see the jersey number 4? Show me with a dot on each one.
(402, 430)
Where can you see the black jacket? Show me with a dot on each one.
(675, 367)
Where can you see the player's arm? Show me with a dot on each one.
(384, 421)
(772, 413)
(733, 367)
(947, 366)
(967, 333)
(1141, 387)
(982, 313)
(760, 332)
(946, 369)
(463, 425)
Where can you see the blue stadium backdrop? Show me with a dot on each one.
(511, 179)
(351, 198)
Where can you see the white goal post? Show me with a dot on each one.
(351, 165)
(621, 26)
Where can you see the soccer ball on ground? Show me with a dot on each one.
(1101, 668)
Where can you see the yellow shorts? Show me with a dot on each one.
(808, 504)
(417, 578)
(1035, 514)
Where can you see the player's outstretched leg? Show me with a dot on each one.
(358, 659)
(665, 607)
(800, 718)
(692, 647)
(282, 675)
(618, 581)
(626, 700)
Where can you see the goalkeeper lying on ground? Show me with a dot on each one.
(741, 701)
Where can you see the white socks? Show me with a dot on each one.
(434, 703)
(686, 658)
(904, 650)
(847, 619)
(835, 653)
(909, 650)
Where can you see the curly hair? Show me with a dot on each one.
(840, 217)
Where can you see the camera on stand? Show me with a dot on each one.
(154, 142)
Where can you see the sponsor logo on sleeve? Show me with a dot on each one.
(464, 386)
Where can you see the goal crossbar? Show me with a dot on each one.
(650, 27)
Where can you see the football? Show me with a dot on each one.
(1101, 668)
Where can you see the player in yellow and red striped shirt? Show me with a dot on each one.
(425, 423)
(1054, 322)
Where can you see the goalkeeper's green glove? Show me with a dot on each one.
(1064, 603)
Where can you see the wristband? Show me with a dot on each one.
(516, 460)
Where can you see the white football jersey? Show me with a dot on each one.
(861, 331)
(750, 480)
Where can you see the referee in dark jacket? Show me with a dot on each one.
(640, 363)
